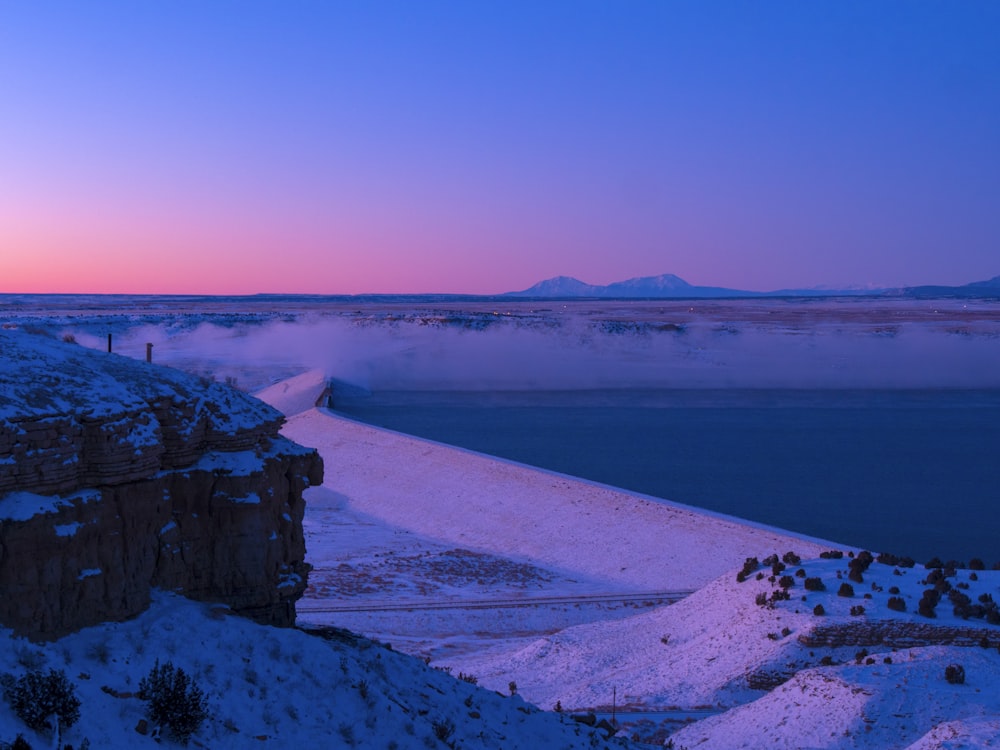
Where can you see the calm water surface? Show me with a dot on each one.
(911, 472)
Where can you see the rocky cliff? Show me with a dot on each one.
(118, 476)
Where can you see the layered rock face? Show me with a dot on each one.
(118, 476)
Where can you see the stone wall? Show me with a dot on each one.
(899, 634)
(118, 476)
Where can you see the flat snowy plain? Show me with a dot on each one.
(406, 522)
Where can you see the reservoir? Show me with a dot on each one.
(912, 472)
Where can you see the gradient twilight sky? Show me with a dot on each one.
(478, 147)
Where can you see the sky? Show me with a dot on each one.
(451, 147)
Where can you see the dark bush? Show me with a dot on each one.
(771, 560)
(818, 610)
(928, 602)
(860, 655)
(35, 697)
(894, 589)
(845, 589)
(786, 582)
(897, 604)
(814, 584)
(976, 564)
(19, 743)
(444, 729)
(790, 558)
(857, 610)
(749, 566)
(174, 701)
(955, 674)
(826, 661)
(800, 573)
(780, 595)
(834, 554)
(934, 562)
(761, 599)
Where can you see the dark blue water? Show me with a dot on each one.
(911, 472)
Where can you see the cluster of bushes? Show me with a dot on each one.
(885, 558)
(778, 595)
(174, 702)
(858, 565)
(775, 563)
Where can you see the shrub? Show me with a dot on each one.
(976, 564)
(790, 558)
(934, 562)
(749, 566)
(19, 743)
(955, 674)
(928, 602)
(818, 610)
(857, 610)
(175, 702)
(786, 582)
(894, 590)
(826, 661)
(469, 678)
(444, 729)
(897, 604)
(800, 573)
(814, 584)
(35, 697)
(834, 554)
(845, 589)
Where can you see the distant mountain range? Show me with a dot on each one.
(667, 286)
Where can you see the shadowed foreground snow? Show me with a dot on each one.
(269, 687)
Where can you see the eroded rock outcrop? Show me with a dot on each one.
(117, 476)
(899, 634)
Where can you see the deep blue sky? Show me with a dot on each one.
(482, 146)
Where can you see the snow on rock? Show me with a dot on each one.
(72, 417)
(147, 475)
(297, 394)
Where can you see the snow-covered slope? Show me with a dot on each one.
(275, 688)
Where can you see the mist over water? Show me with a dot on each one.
(578, 353)
(869, 424)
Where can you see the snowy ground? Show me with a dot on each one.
(268, 687)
